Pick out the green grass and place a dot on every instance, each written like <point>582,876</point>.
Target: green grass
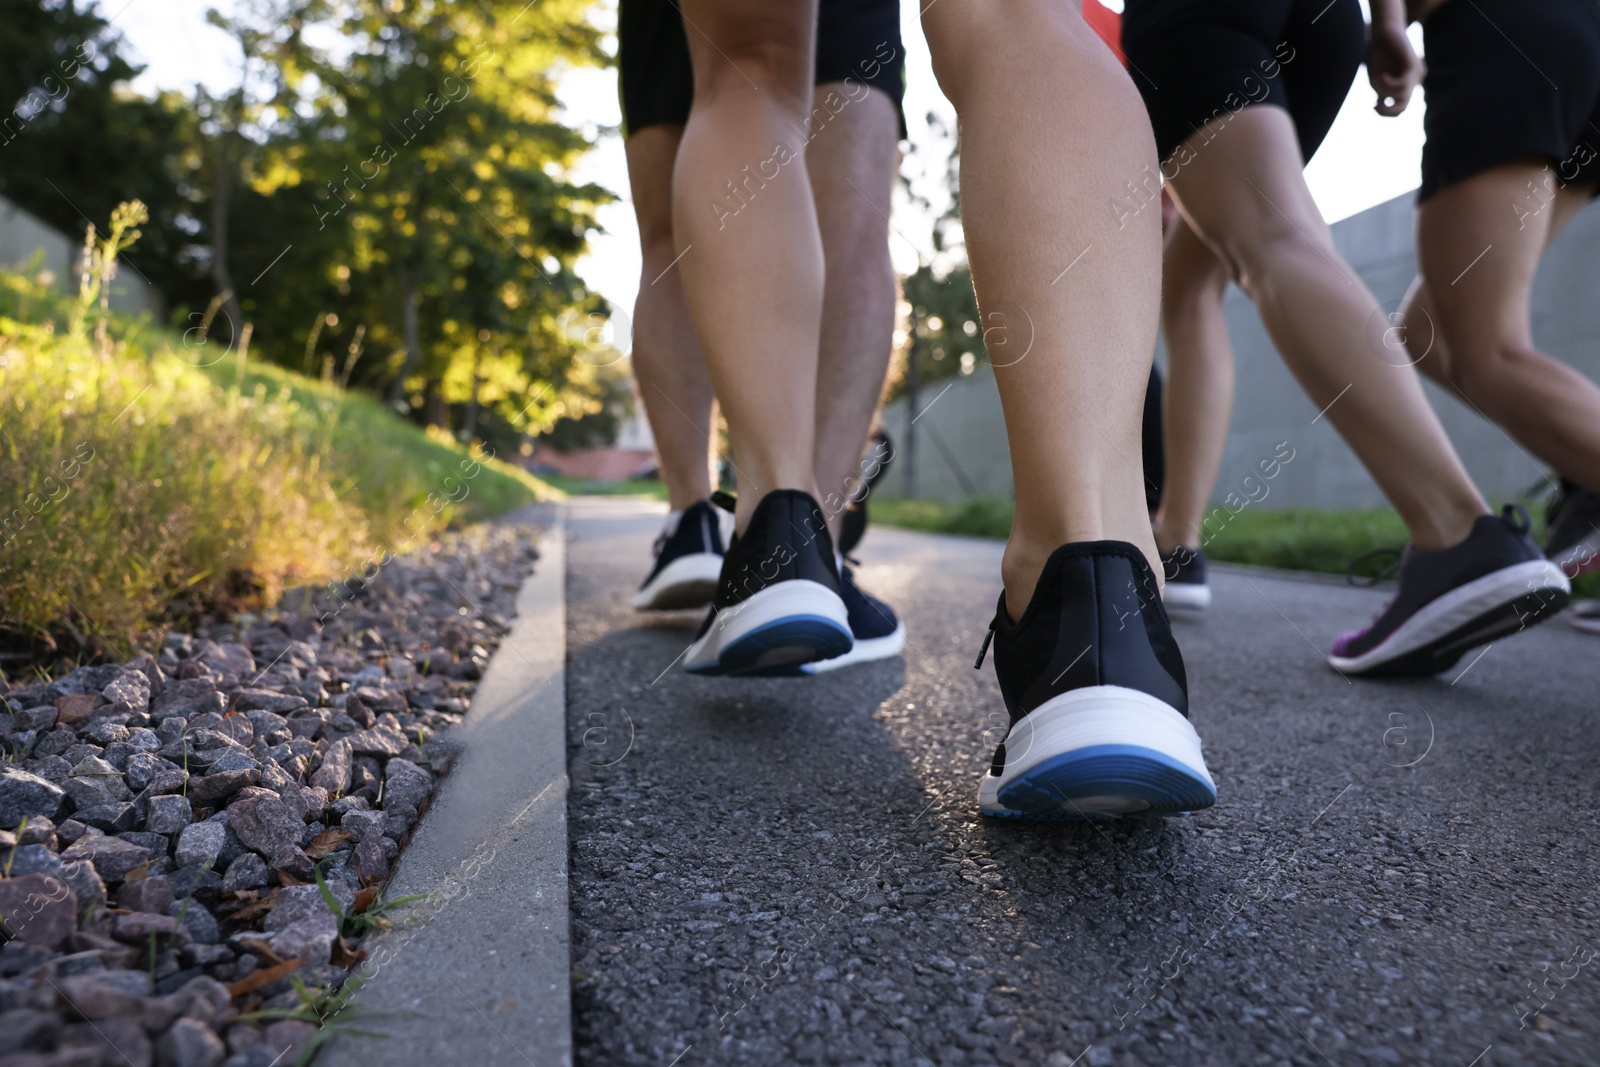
<point>1303,539</point>
<point>1323,540</point>
<point>137,487</point>
<point>381,463</point>
<point>978,517</point>
<point>573,486</point>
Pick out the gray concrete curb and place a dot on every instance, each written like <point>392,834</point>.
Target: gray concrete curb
<point>479,971</point>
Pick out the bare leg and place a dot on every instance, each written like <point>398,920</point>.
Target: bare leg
<point>1246,195</point>
<point>666,357</point>
<point>741,194</point>
<point>1480,309</point>
<point>852,163</point>
<point>1419,319</point>
<point>1199,390</point>
<point>1049,132</point>
<point>1419,328</point>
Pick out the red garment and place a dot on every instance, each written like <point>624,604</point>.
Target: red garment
<point>1108,24</point>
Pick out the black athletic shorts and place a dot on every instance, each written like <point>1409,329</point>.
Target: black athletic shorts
<point>1510,79</point>
<point>1196,61</point>
<point>857,40</point>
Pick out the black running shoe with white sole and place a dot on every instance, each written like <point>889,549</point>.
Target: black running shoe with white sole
<point>1451,600</point>
<point>688,562</point>
<point>1097,694</point>
<point>1185,571</point>
<point>1585,616</point>
<point>877,630</point>
<point>778,602</point>
<point>1573,540</point>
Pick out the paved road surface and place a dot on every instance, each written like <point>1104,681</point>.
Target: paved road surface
<point>774,871</point>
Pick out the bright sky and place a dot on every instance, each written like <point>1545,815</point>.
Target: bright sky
<point>1366,159</point>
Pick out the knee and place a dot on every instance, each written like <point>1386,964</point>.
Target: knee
<point>760,50</point>
<point>1188,291</point>
<point>965,37</point>
<point>1271,245</point>
<point>656,244</point>
<point>1485,372</point>
<point>1418,334</point>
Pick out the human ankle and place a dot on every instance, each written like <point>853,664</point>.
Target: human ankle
<point>1446,531</point>
<point>1024,561</point>
<point>686,500</point>
<point>749,499</point>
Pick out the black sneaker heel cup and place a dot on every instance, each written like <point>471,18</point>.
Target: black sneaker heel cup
<point>1096,618</point>
<point>787,538</point>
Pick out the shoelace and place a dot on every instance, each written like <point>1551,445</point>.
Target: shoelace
<point>1514,515</point>
<point>983,649</point>
<point>1363,581</point>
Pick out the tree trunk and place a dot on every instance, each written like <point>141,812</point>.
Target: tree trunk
<point>224,179</point>
<point>470,427</point>
<point>410,294</point>
<point>913,391</point>
<point>435,411</point>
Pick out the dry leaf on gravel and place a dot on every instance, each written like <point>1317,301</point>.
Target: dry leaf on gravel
<point>346,957</point>
<point>324,843</point>
<point>255,909</point>
<point>258,978</point>
<point>263,948</point>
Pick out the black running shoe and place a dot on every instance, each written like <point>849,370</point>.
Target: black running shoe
<point>1185,571</point>
<point>880,452</point>
<point>777,604</point>
<point>1573,541</point>
<point>1452,600</point>
<point>1097,694</point>
<point>688,563</point>
<point>878,632</point>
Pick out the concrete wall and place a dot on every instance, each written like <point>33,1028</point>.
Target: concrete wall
<point>962,433</point>
<point>22,236</point>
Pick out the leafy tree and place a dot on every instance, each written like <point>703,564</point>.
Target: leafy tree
<point>386,190</point>
<point>943,332</point>
<point>74,143</point>
<point>41,52</point>
<point>432,156</point>
<point>234,127</point>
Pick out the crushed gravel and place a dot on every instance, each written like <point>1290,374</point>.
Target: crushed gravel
<point>163,820</point>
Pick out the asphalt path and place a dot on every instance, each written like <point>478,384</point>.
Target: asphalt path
<point>773,871</point>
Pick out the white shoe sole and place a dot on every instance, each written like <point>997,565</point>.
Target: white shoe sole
<point>864,651</point>
<point>774,631</point>
<point>1585,622</point>
<point>1187,596</point>
<point>1501,603</point>
<point>1099,753</point>
<point>687,582</point>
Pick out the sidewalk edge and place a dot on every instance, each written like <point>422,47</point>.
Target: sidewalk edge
<point>480,970</point>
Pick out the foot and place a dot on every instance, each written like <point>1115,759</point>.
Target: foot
<point>778,603</point>
<point>1097,695</point>
<point>1574,538</point>
<point>1185,571</point>
<point>688,562</point>
<point>878,632</point>
<point>1451,600</point>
